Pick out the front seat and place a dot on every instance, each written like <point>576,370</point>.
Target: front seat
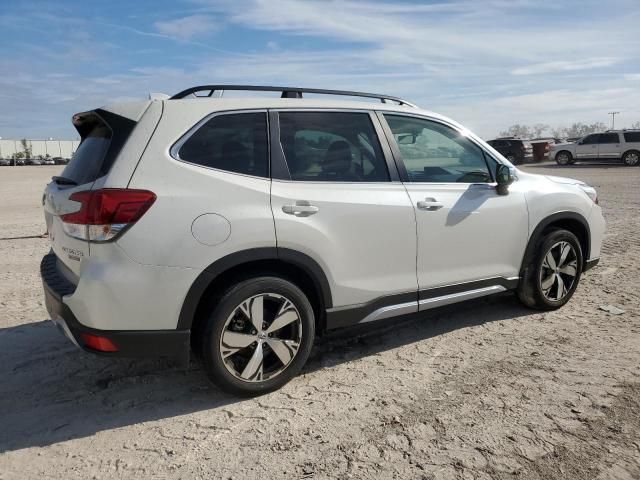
<point>337,161</point>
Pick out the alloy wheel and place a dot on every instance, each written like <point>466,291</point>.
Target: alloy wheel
<point>559,271</point>
<point>261,337</point>
<point>632,158</point>
<point>562,159</point>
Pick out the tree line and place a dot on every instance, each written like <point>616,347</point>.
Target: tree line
<point>541,130</point>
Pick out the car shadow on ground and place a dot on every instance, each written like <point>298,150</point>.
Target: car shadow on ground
<point>52,392</point>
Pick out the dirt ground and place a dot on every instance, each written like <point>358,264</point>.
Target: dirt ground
<point>484,390</point>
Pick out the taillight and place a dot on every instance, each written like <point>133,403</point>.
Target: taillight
<point>95,342</point>
<point>103,214</point>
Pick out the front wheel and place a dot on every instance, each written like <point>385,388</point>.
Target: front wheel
<point>258,336</point>
<point>552,274</point>
<point>631,159</point>
<point>564,158</point>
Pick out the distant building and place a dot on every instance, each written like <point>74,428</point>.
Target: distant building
<point>53,148</point>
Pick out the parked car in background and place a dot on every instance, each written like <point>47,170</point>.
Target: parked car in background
<point>612,145</point>
<point>49,161</point>
<point>60,160</point>
<point>33,161</point>
<point>326,214</point>
<point>514,149</point>
<point>5,162</point>
<point>18,161</point>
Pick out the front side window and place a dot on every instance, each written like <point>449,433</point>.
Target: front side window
<point>609,138</point>
<point>331,147</point>
<point>433,152</point>
<point>235,143</point>
<point>590,139</point>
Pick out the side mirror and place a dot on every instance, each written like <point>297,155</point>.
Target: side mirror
<point>504,178</point>
<point>407,139</point>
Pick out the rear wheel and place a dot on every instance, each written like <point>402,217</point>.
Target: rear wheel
<point>564,158</point>
<point>631,158</point>
<point>553,272</point>
<point>258,336</point>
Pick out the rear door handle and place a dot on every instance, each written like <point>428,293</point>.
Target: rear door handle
<point>302,208</point>
<point>430,204</point>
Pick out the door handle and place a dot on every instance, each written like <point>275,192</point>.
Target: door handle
<point>430,204</point>
<point>302,208</point>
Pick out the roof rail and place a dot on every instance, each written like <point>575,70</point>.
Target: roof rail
<point>286,92</point>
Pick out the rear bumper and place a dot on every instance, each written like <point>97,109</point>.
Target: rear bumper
<point>129,343</point>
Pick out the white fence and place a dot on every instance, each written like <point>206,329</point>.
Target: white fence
<point>53,148</point>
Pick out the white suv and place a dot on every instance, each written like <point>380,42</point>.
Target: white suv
<point>617,145</point>
<point>242,228</point>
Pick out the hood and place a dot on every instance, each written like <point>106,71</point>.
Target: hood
<point>564,144</point>
<point>565,180</point>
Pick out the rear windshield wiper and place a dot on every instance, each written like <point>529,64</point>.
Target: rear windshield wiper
<point>64,181</point>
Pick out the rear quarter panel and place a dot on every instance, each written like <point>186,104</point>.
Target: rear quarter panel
<point>163,236</point>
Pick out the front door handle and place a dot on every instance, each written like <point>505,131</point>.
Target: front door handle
<point>302,208</point>
<point>430,204</point>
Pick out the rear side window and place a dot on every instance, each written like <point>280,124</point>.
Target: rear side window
<point>332,147</point>
<point>235,143</point>
<point>87,161</point>
<point>632,137</point>
<point>609,138</point>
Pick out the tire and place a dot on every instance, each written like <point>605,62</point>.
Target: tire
<point>631,158</point>
<point>544,288</point>
<point>564,158</point>
<point>241,350</point>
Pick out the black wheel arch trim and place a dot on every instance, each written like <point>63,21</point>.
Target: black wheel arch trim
<point>217,268</point>
<point>544,223</point>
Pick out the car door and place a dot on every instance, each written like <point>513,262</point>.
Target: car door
<point>335,199</point>
<point>587,147</point>
<point>468,236</point>
<point>609,146</point>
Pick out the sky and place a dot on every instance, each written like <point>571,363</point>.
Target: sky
<point>486,63</point>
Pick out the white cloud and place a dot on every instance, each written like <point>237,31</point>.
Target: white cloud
<point>186,28</point>
<point>487,64</point>
<point>566,66</point>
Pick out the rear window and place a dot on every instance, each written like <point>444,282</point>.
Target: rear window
<point>632,137</point>
<point>103,135</point>
<point>86,163</point>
